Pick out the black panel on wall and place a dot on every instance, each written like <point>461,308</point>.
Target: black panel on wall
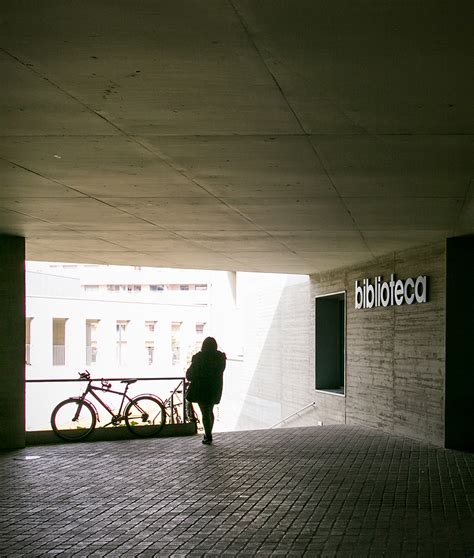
<point>330,342</point>
<point>459,407</point>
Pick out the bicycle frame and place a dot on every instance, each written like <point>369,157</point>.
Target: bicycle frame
<point>170,404</point>
<point>91,389</point>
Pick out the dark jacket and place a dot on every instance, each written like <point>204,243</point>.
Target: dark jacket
<point>205,375</point>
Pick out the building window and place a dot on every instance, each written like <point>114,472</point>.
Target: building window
<point>134,288</point>
<point>201,287</point>
<point>91,341</point>
<point>59,341</point>
<point>184,287</point>
<point>113,287</point>
<point>150,329</point>
<point>150,352</point>
<point>157,288</point>
<point>121,333</point>
<point>91,287</point>
<point>175,343</point>
<point>200,329</point>
<point>28,341</point>
<point>330,342</point>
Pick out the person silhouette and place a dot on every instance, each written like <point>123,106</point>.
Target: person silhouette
<point>206,376</point>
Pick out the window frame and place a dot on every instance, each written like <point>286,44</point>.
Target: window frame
<point>332,391</point>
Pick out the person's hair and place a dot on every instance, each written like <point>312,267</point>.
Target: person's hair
<point>209,345</point>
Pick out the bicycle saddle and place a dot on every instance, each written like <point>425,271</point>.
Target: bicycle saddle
<point>128,381</point>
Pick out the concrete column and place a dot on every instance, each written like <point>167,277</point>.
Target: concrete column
<point>223,325</point>
<point>12,342</point>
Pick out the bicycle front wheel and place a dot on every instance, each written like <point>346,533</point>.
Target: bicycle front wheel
<point>145,416</point>
<point>65,424</point>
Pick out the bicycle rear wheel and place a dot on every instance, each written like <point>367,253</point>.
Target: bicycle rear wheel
<point>64,425</point>
<point>145,416</point>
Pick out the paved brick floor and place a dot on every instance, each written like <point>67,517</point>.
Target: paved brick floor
<point>325,491</point>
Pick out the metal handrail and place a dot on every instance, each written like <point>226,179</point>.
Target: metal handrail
<point>293,414</point>
<point>102,378</point>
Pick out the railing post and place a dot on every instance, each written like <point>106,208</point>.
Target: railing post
<point>172,407</point>
<point>185,403</point>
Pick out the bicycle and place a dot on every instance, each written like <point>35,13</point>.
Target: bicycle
<point>175,401</point>
<point>75,418</point>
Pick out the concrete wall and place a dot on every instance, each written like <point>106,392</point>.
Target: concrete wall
<point>12,342</point>
<point>395,364</point>
<point>395,368</point>
<point>265,386</point>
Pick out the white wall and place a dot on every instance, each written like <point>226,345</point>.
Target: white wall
<point>265,386</point>
<point>53,296</point>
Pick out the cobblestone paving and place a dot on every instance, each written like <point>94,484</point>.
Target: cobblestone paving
<point>324,491</point>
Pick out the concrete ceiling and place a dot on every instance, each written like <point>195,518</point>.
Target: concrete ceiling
<point>242,134</point>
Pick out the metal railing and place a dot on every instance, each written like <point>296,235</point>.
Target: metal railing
<point>170,399</point>
<point>313,404</point>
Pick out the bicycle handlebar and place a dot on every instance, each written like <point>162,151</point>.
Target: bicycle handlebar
<point>87,376</point>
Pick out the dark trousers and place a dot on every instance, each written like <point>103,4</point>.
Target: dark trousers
<point>207,413</point>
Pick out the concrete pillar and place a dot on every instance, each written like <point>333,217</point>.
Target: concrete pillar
<point>459,418</point>
<point>223,325</point>
<point>12,342</point>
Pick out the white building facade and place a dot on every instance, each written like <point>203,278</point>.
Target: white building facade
<point>117,322</point>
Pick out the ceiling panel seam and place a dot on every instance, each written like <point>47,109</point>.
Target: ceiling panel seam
<point>296,117</point>
<point>142,144</point>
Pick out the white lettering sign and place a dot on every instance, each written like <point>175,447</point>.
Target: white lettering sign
<point>388,293</point>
